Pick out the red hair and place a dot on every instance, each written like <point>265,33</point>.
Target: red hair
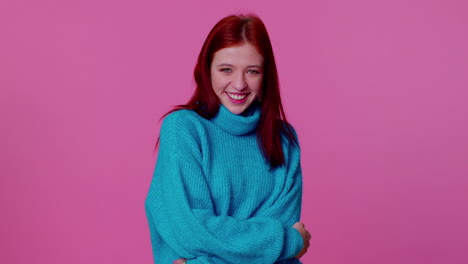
<point>235,30</point>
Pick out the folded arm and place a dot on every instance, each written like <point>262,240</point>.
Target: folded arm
<point>180,206</point>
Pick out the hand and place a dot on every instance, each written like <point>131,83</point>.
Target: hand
<point>179,261</point>
<point>305,236</point>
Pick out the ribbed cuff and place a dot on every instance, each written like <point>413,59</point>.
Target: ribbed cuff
<point>293,244</point>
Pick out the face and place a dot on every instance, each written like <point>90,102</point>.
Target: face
<point>236,76</point>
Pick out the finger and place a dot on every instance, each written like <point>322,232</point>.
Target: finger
<point>298,225</point>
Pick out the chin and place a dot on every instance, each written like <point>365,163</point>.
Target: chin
<point>236,111</point>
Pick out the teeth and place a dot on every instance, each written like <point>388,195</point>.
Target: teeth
<point>237,96</point>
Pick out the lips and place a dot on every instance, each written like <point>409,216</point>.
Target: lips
<point>237,98</point>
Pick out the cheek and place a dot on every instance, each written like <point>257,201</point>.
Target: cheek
<point>257,85</point>
<point>218,82</point>
<point>215,82</point>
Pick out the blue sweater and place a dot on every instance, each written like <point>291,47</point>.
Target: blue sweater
<point>215,199</point>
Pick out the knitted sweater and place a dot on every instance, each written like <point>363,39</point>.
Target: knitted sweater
<point>215,199</point>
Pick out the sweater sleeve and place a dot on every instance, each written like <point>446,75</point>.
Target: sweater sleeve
<point>288,205</point>
<point>180,206</point>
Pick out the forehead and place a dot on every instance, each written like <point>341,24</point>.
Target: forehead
<point>245,54</point>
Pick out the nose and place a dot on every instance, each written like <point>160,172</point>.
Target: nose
<point>239,83</point>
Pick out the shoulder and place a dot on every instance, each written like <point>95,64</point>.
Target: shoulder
<point>291,147</point>
<point>183,121</point>
<point>182,131</point>
<point>180,119</point>
<point>289,135</point>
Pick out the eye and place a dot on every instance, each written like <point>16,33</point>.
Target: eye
<point>253,72</point>
<point>225,70</point>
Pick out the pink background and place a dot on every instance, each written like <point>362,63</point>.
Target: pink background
<point>376,89</point>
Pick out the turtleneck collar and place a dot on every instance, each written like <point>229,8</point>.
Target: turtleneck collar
<point>237,124</point>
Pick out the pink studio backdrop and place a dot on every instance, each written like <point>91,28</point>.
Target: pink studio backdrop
<point>376,89</point>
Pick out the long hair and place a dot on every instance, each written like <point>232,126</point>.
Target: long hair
<point>235,30</point>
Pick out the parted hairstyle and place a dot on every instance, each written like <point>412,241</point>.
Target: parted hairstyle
<point>231,31</point>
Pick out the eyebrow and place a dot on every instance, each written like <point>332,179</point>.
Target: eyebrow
<point>230,65</point>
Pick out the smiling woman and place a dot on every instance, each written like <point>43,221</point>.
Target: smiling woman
<point>236,75</point>
<point>227,185</point>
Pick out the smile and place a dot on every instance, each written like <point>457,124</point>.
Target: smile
<point>237,96</point>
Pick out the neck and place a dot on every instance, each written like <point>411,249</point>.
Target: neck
<point>241,124</point>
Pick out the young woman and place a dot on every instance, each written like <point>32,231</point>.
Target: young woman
<point>227,184</point>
